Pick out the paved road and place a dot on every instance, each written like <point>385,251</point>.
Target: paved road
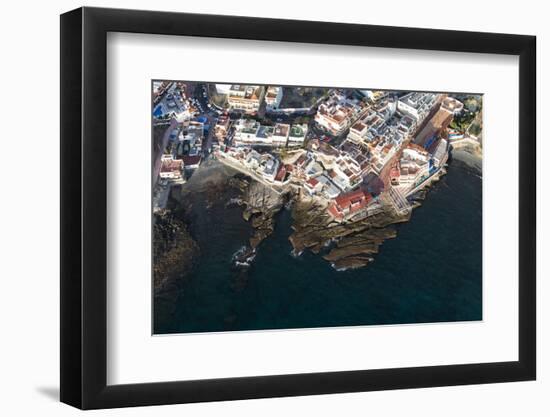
<point>160,150</point>
<point>210,114</point>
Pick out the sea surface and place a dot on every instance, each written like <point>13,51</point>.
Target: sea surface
<point>431,272</point>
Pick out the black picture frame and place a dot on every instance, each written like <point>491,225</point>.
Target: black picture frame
<point>84,207</point>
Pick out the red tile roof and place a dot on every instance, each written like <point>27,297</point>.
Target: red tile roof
<point>417,148</point>
<point>313,182</point>
<point>170,165</point>
<point>352,199</point>
<point>280,174</point>
<point>333,211</point>
<point>394,172</point>
<point>191,160</point>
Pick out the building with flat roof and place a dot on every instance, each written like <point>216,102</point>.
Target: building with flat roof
<point>440,154</point>
<point>418,105</point>
<point>415,152</point>
<point>452,105</point>
<point>269,166</point>
<point>411,173</point>
<point>280,134</point>
<point>246,98</point>
<point>170,168</point>
<point>221,128</point>
<point>223,88</point>
<point>273,97</point>
<point>412,168</point>
<point>191,137</point>
<point>297,135</point>
<point>245,132</point>
<point>434,126</point>
<point>253,159</point>
<point>338,113</point>
<point>251,132</point>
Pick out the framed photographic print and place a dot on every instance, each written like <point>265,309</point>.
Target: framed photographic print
<point>256,208</point>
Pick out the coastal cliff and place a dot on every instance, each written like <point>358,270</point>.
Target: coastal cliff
<point>348,245</point>
<point>470,154</point>
<point>262,204</point>
<point>173,249</point>
<point>345,246</point>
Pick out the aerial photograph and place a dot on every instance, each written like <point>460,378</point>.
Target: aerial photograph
<point>295,207</point>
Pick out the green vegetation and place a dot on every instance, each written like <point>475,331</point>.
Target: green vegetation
<point>219,100</point>
<point>472,104</point>
<point>300,97</point>
<point>283,153</point>
<point>296,131</point>
<point>475,129</point>
<point>462,121</point>
<point>302,120</point>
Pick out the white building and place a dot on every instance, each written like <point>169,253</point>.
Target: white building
<point>297,135</point>
<point>273,97</point>
<point>251,132</point>
<point>313,186</point>
<point>245,132</point>
<point>358,131</point>
<point>338,113</point>
<point>269,167</point>
<point>414,152</point>
<point>452,105</point>
<point>223,88</point>
<point>411,174</point>
<point>244,98</point>
<point>373,123</point>
<point>348,172</point>
<point>413,167</point>
<point>313,169</point>
<point>440,153</point>
<point>253,160</point>
<point>417,105</point>
<point>192,134</point>
<point>280,134</point>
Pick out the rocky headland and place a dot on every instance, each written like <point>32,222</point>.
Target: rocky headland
<point>345,246</point>
<point>261,205</point>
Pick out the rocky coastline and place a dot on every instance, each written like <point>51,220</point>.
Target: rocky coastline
<point>471,155</point>
<point>346,246</point>
<point>173,249</point>
<point>262,204</point>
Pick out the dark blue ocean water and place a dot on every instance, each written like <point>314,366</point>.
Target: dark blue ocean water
<point>432,272</point>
